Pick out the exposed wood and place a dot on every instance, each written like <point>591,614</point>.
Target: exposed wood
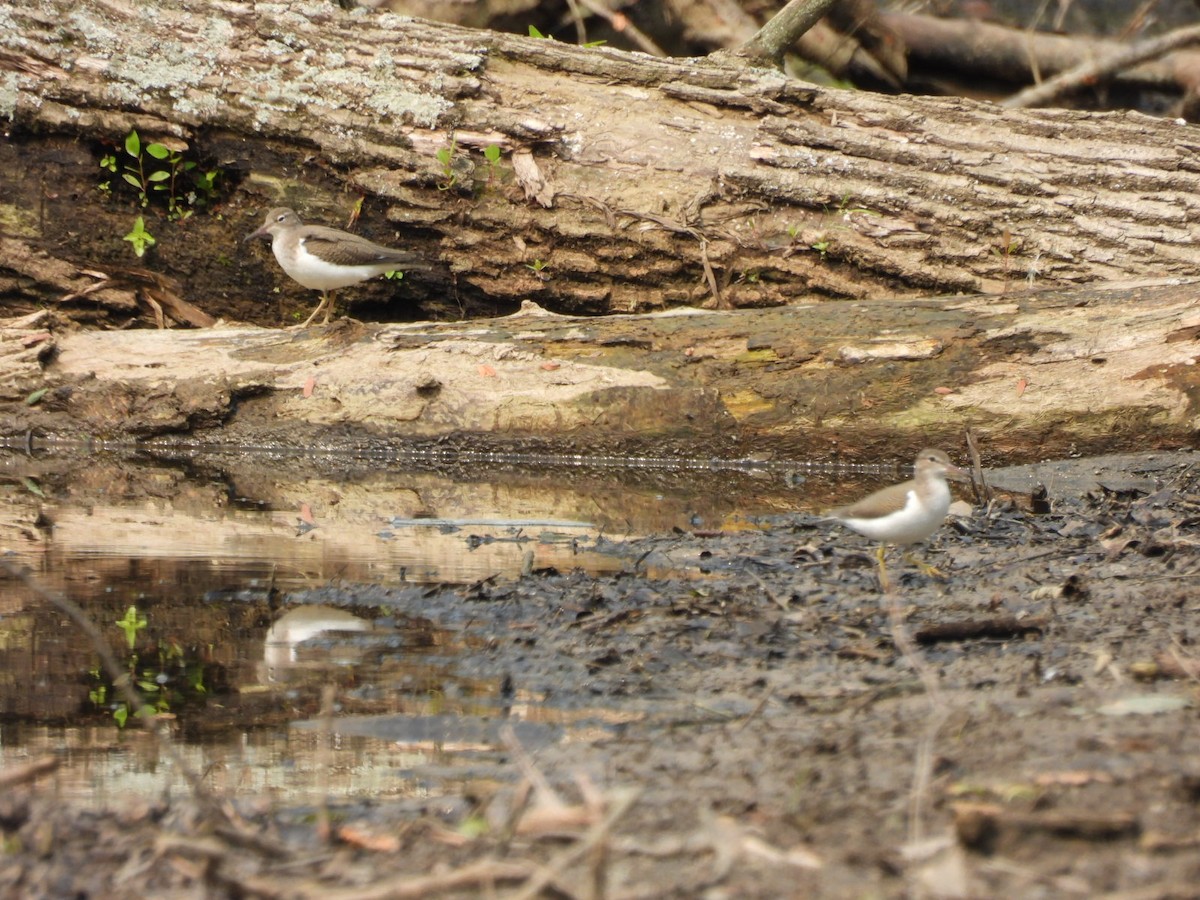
<point>1051,373</point>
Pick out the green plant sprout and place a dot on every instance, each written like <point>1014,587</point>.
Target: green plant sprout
<point>535,33</point>
<point>492,153</point>
<point>446,157</point>
<point>537,265</point>
<point>140,238</point>
<point>155,169</point>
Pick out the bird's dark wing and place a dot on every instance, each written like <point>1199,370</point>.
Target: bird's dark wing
<point>345,249</point>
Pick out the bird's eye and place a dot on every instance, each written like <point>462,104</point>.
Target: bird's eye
<point>280,218</point>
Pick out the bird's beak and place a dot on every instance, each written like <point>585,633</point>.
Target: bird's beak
<point>260,232</point>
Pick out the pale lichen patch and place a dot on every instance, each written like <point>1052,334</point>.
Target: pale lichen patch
<point>10,91</point>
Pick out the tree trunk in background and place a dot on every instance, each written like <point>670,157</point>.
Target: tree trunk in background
<point>626,182</point>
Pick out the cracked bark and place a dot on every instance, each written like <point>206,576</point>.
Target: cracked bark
<point>638,168</point>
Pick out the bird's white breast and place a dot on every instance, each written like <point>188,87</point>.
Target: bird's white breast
<point>915,522</point>
<point>316,274</point>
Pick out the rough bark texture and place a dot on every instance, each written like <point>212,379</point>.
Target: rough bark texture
<point>638,182</point>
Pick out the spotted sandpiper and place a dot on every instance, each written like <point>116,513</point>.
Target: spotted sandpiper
<point>325,259</point>
<point>904,513</point>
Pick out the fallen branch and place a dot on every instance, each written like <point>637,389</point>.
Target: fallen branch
<point>981,826</point>
<point>1089,73</point>
<point>1003,627</point>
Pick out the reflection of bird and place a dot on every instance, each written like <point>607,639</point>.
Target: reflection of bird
<point>903,513</point>
<point>297,626</point>
<point>325,259</point>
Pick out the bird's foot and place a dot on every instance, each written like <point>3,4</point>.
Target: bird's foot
<point>925,568</point>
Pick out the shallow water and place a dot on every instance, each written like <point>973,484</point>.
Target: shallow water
<point>189,566</point>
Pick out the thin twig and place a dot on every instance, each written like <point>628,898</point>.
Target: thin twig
<point>923,765</point>
<point>619,800</point>
<point>1088,73</point>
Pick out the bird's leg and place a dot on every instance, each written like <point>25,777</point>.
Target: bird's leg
<point>329,309</point>
<point>884,584</point>
<point>315,312</point>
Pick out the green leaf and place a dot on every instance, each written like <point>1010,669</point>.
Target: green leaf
<point>534,33</point>
<point>188,166</point>
<point>121,714</point>
<point>133,179</point>
<point>443,156</point>
<point>32,487</point>
<point>158,151</point>
<point>599,43</point>
<point>159,176</point>
<point>36,396</point>
<point>133,145</point>
<point>491,153</point>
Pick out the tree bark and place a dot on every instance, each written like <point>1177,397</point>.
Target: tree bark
<point>627,183</point>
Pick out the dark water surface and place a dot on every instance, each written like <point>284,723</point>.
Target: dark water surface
<point>197,570</point>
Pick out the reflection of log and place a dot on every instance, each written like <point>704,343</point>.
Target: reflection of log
<point>626,182</point>
<point>1084,369</point>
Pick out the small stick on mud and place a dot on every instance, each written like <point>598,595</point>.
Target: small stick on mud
<point>619,802</point>
<point>980,487</point>
<point>982,826</point>
<point>977,629</point>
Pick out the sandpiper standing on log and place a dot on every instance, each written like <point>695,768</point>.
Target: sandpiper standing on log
<point>904,513</point>
<point>325,259</point>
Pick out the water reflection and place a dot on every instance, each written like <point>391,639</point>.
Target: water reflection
<point>282,644</point>
<point>209,557</point>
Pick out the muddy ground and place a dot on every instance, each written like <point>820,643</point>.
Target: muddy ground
<point>767,736</point>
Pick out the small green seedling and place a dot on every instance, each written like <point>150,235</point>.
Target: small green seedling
<point>492,154</point>
<point>140,238</point>
<point>445,156</point>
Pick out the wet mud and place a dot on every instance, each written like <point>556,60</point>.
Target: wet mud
<point>731,714</point>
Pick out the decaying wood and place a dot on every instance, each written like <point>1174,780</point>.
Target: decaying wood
<point>649,166</point>
<point>1057,371</point>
